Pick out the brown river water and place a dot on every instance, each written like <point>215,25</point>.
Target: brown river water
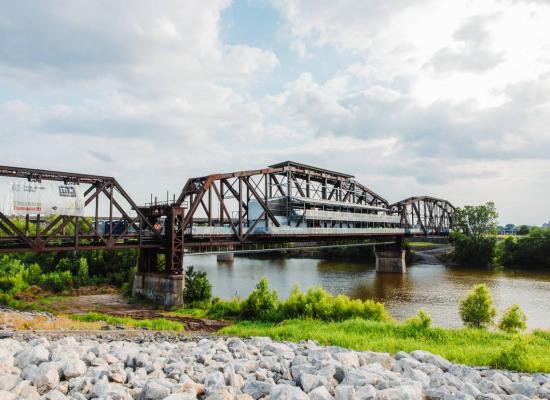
<point>432,286</point>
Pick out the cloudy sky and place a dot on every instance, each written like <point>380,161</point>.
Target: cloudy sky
<point>449,98</point>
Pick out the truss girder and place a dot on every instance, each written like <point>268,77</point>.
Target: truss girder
<point>433,216</point>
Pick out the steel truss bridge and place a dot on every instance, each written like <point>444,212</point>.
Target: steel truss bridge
<point>285,206</point>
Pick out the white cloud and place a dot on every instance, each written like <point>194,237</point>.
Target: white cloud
<point>154,89</point>
<point>438,96</point>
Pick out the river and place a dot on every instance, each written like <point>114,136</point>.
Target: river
<point>432,286</point>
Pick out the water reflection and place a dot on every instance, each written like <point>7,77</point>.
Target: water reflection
<point>435,288</point>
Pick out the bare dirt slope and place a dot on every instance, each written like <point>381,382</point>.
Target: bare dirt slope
<point>117,305</point>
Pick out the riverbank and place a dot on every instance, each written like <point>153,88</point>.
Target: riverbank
<point>529,352</point>
<point>150,366</point>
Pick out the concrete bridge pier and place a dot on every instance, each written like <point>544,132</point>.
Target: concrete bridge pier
<point>159,288</point>
<point>391,259</point>
<point>162,288</point>
<point>228,257</point>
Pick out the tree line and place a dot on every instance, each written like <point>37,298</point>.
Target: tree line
<point>476,243</point>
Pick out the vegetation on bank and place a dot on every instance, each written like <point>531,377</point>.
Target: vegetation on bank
<point>157,324</point>
<point>475,241</point>
<point>264,304</point>
<point>530,352</point>
<point>58,272</point>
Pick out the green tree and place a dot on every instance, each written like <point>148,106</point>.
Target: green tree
<point>523,230</point>
<point>528,251</point>
<point>476,308</point>
<point>514,320</point>
<point>197,286</point>
<point>476,252</point>
<point>474,229</point>
<point>476,221</point>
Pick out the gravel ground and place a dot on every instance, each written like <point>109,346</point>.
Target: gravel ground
<point>152,365</point>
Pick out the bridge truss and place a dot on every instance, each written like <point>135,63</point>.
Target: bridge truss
<point>428,215</point>
<point>285,205</point>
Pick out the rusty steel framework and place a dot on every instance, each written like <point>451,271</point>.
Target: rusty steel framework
<point>428,215</point>
<point>100,192</point>
<point>214,213</point>
<point>213,194</point>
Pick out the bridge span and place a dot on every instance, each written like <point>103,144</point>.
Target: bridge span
<point>284,206</point>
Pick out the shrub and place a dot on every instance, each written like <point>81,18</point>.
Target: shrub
<point>197,286</point>
<point>7,284</point>
<point>65,264</point>
<point>529,251</point>
<point>476,308</point>
<point>513,320</point>
<point>512,356</point>
<point>8,301</point>
<point>317,303</point>
<point>374,310</point>
<point>13,275</point>
<point>422,321</point>
<point>294,305</point>
<point>34,272</point>
<point>262,303</point>
<point>82,276</point>
<point>223,309</point>
<point>57,281</point>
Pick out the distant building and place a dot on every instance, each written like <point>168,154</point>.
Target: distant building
<point>546,225</point>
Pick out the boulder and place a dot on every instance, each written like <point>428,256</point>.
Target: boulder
<point>348,359</point>
<point>524,388</point>
<point>154,390</point>
<point>256,389</point>
<point>287,392</point>
<point>320,393</point>
<point>45,377</point>
<point>405,392</point>
<point>54,395</point>
<point>366,392</point>
<point>8,381</point>
<point>32,355</point>
<point>344,392</point>
<point>6,395</point>
<point>308,382</point>
<point>225,393</point>
<point>434,359</point>
<point>464,373</point>
<point>73,368</point>
<point>182,396</point>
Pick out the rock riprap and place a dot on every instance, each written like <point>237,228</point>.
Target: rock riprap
<point>217,368</point>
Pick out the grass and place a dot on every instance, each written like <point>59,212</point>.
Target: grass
<point>465,346</point>
<point>422,245</point>
<point>191,312</point>
<point>157,324</point>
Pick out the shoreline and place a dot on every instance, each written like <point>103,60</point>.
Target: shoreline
<point>153,366</point>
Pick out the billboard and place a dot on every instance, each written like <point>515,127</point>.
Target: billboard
<point>44,198</point>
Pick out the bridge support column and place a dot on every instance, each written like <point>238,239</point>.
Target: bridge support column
<point>226,257</point>
<point>391,259</point>
<point>160,288</point>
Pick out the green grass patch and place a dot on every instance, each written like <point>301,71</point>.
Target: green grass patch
<point>190,312</point>
<point>465,346</point>
<point>421,245</point>
<point>157,324</point>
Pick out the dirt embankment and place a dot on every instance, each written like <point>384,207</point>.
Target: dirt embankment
<point>105,300</point>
